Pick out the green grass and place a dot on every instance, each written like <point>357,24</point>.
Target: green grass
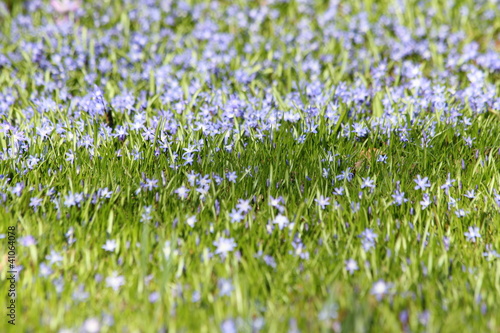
<point>296,288</point>
<point>456,285</point>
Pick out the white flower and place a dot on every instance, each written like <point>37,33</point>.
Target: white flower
<point>472,234</point>
<point>54,257</point>
<point>225,287</point>
<point>380,288</point>
<point>182,192</point>
<point>244,206</point>
<point>115,281</point>
<point>351,265</point>
<point>281,220</point>
<point>422,183</point>
<point>224,245</point>
<point>322,201</point>
<point>91,325</point>
<point>191,221</point>
<point>228,326</point>
<point>110,245</point>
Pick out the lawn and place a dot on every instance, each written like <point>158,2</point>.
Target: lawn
<point>250,166</point>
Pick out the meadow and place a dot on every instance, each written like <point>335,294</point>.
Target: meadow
<point>250,166</point>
